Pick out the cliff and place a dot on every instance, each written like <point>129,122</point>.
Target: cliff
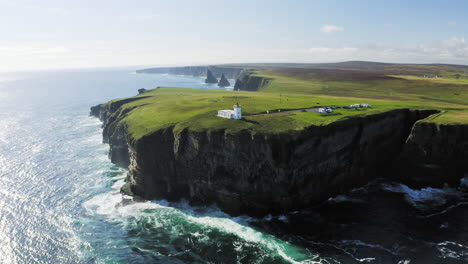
<point>223,82</point>
<point>198,71</point>
<point>435,154</point>
<point>210,77</point>
<point>247,81</point>
<point>114,132</point>
<point>275,173</point>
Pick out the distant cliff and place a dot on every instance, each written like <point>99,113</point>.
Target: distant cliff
<point>275,173</point>
<point>229,72</point>
<point>245,78</point>
<point>247,81</point>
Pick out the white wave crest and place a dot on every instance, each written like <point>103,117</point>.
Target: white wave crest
<point>425,198</point>
<point>121,208</point>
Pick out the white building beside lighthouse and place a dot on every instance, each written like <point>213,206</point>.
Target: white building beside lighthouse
<point>236,113</point>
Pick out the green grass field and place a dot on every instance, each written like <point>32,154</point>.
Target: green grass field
<point>196,109</point>
<point>392,88</point>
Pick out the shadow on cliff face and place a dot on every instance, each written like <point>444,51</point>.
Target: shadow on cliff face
<point>433,155</point>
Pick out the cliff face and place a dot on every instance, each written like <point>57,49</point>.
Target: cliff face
<point>247,82</point>
<point>229,72</point>
<point>435,154</point>
<point>261,174</point>
<point>113,132</point>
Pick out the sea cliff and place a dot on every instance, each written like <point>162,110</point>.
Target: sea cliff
<point>247,81</point>
<point>258,174</point>
<point>245,78</point>
<point>434,154</point>
<point>199,71</point>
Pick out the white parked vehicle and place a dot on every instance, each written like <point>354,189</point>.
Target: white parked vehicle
<point>325,110</point>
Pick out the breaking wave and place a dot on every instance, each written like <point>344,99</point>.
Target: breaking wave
<point>194,227</point>
<point>425,199</point>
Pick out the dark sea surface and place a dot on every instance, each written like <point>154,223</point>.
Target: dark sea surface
<point>60,200</point>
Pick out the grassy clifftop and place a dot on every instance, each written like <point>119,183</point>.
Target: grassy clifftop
<point>367,85</point>
<point>446,93</point>
<point>385,86</point>
<point>196,109</point>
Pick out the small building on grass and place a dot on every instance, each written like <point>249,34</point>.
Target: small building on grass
<point>236,113</point>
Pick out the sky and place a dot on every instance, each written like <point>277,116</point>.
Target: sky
<point>49,34</point>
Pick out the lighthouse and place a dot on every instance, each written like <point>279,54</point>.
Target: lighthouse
<point>237,111</point>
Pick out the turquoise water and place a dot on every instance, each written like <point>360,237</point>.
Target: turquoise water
<point>60,200</point>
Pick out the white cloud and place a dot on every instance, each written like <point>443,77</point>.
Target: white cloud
<point>453,50</point>
<point>331,29</point>
<point>452,23</point>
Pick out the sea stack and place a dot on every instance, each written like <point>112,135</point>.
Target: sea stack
<point>223,82</point>
<point>210,77</point>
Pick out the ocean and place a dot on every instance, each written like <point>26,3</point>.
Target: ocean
<point>60,199</point>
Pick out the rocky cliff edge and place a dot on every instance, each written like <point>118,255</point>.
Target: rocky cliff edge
<point>262,174</point>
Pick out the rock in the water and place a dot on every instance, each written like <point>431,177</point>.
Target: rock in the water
<point>210,78</point>
<point>223,82</point>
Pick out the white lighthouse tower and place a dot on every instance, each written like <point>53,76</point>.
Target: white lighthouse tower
<point>237,111</point>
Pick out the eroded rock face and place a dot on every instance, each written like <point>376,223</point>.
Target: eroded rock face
<point>223,82</point>
<point>434,154</point>
<point>247,82</point>
<point>210,77</point>
<point>113,132</point>
<point>262,174</point>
